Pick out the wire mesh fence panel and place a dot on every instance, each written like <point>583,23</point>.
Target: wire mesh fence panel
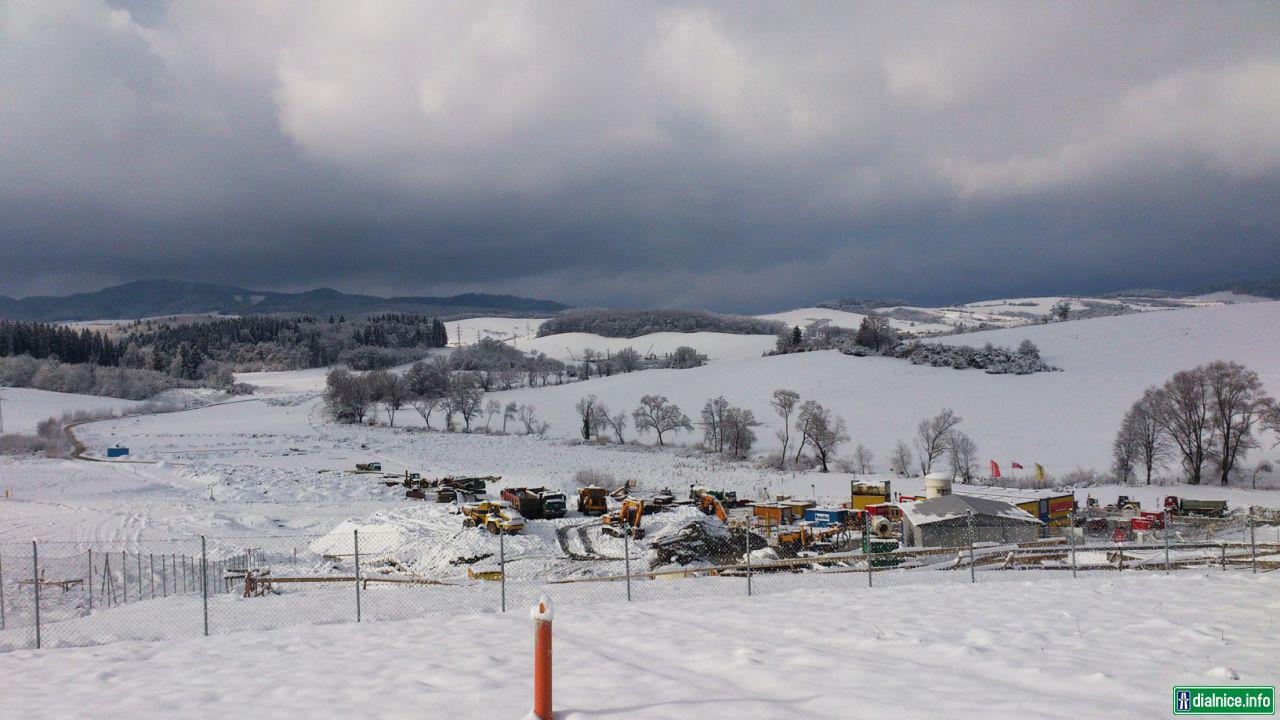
<point>17,606</point>
<point>265,582</point>
<point>59,594</point>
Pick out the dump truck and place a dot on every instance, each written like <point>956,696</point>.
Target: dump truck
<point>369,467</point>
<point>1187,506</point>
<point>554,504</point>
<point>626,521</point>
<point>537,502</point>
<point>592,500</point>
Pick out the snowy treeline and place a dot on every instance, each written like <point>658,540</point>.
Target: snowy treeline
<point>988,358</point>
<point>1207,419</point>
<point>85,378</point>
<point>283,343</point>
<point>875,336</point>
<point>634,323</point>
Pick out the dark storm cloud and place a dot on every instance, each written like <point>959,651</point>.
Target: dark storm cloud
<point>737,156</point>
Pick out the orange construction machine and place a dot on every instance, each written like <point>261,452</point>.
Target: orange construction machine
<point>626,521</point>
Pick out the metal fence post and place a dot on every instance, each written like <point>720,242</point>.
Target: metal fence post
<point>1,594</point>
<point>88,587</point>
<point>35,584</point>
<point>1253,540</point>
<point>866,543</point>
<point>1071,535</point>
<point>139,574</point>
<point>164,579</point>
<point>1165,522</point>
<point>626,557</point>
<point>357,547</point>
<point>1222,551</point>
<point>502,570</point>
<point>152,561</point>
<point>973,576</point>
<point>124,576</point>
<point>204,583</point>
<point>747,544</point>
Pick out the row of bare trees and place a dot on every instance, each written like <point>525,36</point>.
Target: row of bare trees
<point>427,386</point>
<point>1207,419</point>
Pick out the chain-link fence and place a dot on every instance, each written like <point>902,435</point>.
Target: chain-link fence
<point>59,594</point>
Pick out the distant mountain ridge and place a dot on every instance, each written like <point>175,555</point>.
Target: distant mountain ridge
<point>152,298</point>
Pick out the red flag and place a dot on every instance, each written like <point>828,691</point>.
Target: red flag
<point>1016,466</point>
<point>995,469</point>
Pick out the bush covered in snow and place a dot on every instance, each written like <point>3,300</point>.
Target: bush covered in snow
<point>634,323</point>
<point>988,358</point>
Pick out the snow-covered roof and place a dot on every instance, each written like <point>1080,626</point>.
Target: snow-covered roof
<point>1016,495</point>
<point>950,507</point>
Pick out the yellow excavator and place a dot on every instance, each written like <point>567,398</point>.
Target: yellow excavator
<point>626,521</point>
<point>709,505</point>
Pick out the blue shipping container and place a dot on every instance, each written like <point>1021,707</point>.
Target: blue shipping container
<point>117,452</point>
<point>826,517</point>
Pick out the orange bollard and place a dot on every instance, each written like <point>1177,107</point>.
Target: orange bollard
<point>542,616</point>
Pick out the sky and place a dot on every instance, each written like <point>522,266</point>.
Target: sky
<point>736,156</point>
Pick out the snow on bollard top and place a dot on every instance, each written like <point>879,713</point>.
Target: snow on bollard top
<point>542,610</point>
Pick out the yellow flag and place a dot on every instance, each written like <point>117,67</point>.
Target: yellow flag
<point>1039,471</point>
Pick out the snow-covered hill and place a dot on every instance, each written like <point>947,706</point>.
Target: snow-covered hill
<point>1063,420</point>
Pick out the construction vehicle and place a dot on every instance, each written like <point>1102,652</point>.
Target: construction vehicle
<point>554,503</point>
<point>1186,506</point>
<point>493,515</point>
<point>626,521</point>
<point>726,498</point>
<point>711,505</point>
<point>537,502</point>
<point>661,500</point>
<point>1125,505</point>
<point>369,467</point>
<point>592,500</point>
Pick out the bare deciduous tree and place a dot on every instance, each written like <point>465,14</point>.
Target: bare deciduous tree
<point>963,454</point>
<point>713,423</point>
<point>900,458</point>
<point>1184,414</point>
<point>784,403</point>
<point>862,459</point>
<point>627,359</point>
<point>1237,404</point>
<point>660,415</point>
<point>821,430</point>
<point>618,423</point>
<point>491,408</point>
<point>509,413</point>
<point>1141,440</point>
<point>932,436</point>
<point>737,430</point>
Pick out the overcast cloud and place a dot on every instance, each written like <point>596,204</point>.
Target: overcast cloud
<point>737,156</point>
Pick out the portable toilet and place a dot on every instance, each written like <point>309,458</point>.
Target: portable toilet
<point>117,451</point>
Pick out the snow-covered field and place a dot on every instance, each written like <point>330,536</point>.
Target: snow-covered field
<point>24,408</point>
<point>1062,420</point>
<point>1097,647</point>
